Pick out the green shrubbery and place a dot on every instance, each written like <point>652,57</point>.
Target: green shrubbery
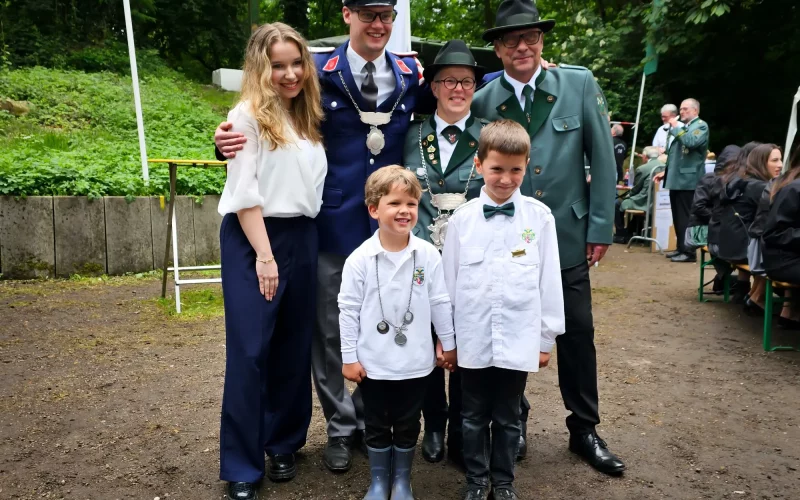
<point>80,136</point>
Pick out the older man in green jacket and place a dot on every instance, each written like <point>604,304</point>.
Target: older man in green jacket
<point>686,164</point>
<point>566,116</point>
<point>637,196</point>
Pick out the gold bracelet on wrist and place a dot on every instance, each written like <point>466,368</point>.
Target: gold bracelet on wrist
<point>266,261</point>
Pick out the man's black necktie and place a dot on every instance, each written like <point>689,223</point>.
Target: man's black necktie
<point>369,90</point>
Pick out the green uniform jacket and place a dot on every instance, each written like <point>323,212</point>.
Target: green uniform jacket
<point>686,162</point>
<point>451,180</point>
<point>568,120</point>
<point>637,199</point>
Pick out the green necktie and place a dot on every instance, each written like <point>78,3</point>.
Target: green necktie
<point>451,133</point>
<point>527,91</point>
<point>490,211</point>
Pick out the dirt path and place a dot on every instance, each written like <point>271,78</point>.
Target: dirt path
<point>105,396</point>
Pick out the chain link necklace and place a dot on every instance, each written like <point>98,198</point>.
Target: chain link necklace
<point>375,140</point>
<point>384,324</point>
<point>442,201</point>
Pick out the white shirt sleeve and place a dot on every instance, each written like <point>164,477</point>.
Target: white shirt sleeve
<point>351,298</point>
<point>450,261</point>
<point>552,295</point>
<point>441,310</point>
<point>241,186</point>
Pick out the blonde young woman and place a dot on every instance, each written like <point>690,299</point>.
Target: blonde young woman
<point>269,261</point>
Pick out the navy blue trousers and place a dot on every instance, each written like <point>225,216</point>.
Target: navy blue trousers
<point>266,403</point>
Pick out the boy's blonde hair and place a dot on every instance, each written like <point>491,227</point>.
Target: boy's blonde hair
<point>384,179</point>
<point>505,137</point>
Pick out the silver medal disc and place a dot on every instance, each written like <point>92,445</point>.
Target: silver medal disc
<point>408,317</point>
<point>383,327</point>
<point>400,339</point>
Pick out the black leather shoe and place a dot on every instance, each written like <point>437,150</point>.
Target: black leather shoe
<point>522,449</point>
<point>788,324</point>
<point>504,494</point>
<point>242,491</point>
<point>474,493</point>
<point>337,456</point>
<point>683,257</point>
<point>672,254</point>
<point>595,451</point>
<point>281,468</point>
<point>622,240</point>
<point>433,446</point>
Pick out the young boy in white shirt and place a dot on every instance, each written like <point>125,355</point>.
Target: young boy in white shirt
<point>392,290</point>
<point>503,274</point>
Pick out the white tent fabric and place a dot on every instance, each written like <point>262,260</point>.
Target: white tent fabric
<point>792,131</point>
<point>400,40</point>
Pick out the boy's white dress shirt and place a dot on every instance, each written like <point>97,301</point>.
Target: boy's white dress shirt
<point>360,309</point>
<point>504,279</point>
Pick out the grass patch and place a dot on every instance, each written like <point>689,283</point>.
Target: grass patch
<point>195,304</point>
<point>603,294</point>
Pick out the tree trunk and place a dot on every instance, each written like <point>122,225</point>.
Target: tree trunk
<point>488,14</point>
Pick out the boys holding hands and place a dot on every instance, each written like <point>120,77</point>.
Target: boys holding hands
<point>502,271</point>
<point>392,290</point>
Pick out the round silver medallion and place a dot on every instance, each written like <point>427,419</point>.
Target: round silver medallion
<point>383,327</point>
<point>400,339</point>
<point>408,317</point>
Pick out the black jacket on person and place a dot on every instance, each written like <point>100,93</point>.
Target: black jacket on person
<point>708,209</point>
<point>781,238</point>
<point>756,229</point>
<point>702,203</point>
<point>738,204</point>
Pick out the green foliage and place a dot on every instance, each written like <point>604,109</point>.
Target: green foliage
<point>80,137</point>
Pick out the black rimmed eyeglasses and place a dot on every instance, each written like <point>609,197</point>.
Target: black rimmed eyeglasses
<point>511,40</point>
<point>451,83</point>
<point>368,16</point>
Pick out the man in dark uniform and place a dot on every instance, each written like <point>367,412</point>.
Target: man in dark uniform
<point>368,95</point>
<point>566,116</point>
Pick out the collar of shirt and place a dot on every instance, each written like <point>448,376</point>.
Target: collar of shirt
<point>518,86</point>
<point>374,246</point>
<point>441,124</point>
<point>516,198</point>
<point>357,62</point>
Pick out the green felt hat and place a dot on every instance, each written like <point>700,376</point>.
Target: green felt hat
<point>454,53</point>
<point>514,15</point>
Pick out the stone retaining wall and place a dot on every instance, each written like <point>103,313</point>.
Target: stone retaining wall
<point>44,236</point>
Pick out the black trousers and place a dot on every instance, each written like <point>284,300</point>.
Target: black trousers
<point>577,358</point>
<point>681,203</point>
<point>392,410</point>
<point>491,395</point>
<point>619,220</point>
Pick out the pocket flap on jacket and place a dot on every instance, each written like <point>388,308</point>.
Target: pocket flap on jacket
<point>581,208</point>
<point>331,197</point>
<point>566,123</point>
<point>470,255</point>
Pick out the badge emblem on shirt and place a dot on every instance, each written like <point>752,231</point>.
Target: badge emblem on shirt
<point>601,105</point>
<point>451,138</point>
<point>528,235</point>
<point>419,275</point>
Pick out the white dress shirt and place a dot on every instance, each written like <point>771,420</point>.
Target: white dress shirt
<point>384,76</point>
<point>518,86</point>
<point>284,182</point>
<point>504,279</point>
<point>445,148</point>
<point>418,267</point>
<point>660,139</point>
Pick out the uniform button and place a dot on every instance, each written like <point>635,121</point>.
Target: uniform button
<point>403,107</point>
<point>441,182</point>
<point>566,126</point>
<point>537,170</point>
<point>372,161</point>
<point>538,193</point>
<point>334,104</point>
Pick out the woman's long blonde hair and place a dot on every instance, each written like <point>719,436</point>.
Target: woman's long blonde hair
<point>264,101</point>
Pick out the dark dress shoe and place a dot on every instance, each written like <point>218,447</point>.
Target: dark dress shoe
<point>242,491</point>
<point>522,448</point>
<point>595,451</point>
<point>684,257</point>
<point>281,468</point>
<point>672,254</point>
<point>337,456</point>
<point>474,493</point>
<point>504,494</point>
<point>433,446</point>
<point>788,324</point>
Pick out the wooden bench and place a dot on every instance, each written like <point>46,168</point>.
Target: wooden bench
<point>770,299</point>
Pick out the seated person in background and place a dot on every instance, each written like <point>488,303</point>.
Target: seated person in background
<point>637,199</point>
<point>781,238</point>
<point>739,199</point>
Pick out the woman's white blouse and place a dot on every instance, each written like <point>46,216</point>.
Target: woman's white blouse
<point>284,182</point>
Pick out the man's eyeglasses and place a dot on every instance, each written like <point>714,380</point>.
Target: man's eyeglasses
<point>368,16</point>
<point>451,83</point>
<point>511,40</point>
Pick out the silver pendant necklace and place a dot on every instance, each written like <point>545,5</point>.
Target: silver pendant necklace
<point>375,139</point>
<point>442,201</point>
<point>384,324</point>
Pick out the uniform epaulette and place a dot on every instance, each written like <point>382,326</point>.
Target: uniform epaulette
<point>484,121</point>
<point>570,66</point>
<point>412,53</point>
<point>321,50</point>
<point>418,118</point>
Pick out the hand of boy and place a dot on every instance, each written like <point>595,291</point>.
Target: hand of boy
<point>544,359</point>
<point>354,372</point>
<point>446,360</point>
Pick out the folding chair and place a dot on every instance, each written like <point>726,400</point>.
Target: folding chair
<point>646,233</point>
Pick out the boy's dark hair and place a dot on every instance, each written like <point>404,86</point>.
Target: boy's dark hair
<point>505,137</point>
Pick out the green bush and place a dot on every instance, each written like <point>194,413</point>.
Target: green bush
<point>80,137</point>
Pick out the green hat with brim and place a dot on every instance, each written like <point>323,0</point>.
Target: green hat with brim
<point>516,15</point>
<point>454,53</point>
